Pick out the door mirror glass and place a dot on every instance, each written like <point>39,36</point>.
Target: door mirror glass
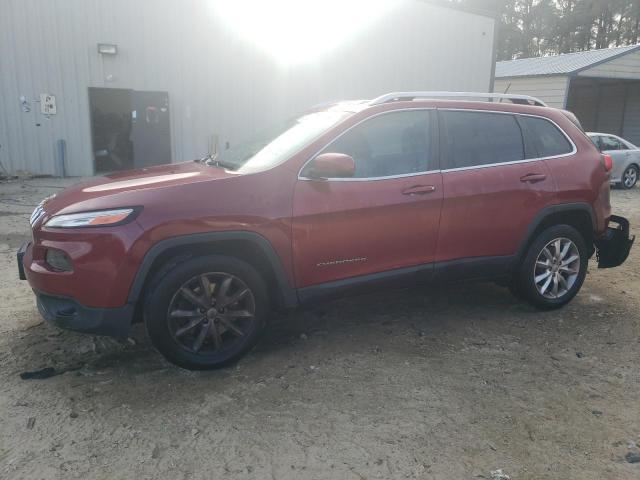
<point>332,165</point>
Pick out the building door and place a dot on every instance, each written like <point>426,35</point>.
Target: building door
<point>111,128</point>
<point>150,132</point>
<point>130,129</point>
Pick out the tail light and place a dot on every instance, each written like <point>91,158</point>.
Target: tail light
<point>607,162</point>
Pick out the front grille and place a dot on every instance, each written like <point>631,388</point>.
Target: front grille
<point>37,214</point>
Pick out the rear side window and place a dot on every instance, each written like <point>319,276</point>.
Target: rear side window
<point>546,139</point>
<point>612,143</point>
<point>477,138</point>
<point>596,141</point>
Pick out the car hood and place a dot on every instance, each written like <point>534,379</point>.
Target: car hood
<point>124,188</point>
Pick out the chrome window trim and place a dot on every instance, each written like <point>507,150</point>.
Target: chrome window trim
<point>368,179</point>
<point>362,179</point>
<point>573,151</point>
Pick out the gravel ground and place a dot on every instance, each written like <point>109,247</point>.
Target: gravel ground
<point>432,383</point>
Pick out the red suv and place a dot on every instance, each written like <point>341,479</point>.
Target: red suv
<point>403,189</point>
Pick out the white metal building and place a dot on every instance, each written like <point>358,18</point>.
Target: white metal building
<point>602,87</point>
<point>172,78</point>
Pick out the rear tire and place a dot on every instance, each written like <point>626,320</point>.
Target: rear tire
<point>629,177</point>
<point>206,312</point>
<point>553,269</point>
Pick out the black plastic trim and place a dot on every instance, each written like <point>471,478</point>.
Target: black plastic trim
<point>475,268</point>
<point>289,298</point>
<point>478,268</point>
<point>20,257</point>
<point>67,313</point>
<point>398,278</point>
<point>614,246</point>
<point>546,212</point>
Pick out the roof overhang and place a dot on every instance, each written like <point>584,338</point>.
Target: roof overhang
<point>494,15</point>
<point>573,72</point>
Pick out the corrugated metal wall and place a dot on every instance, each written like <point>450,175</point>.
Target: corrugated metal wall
<point>218,82</point>
<point>624,67</point>
<point>607,106</point>
<point>631,129</point>
<point>550,89</point>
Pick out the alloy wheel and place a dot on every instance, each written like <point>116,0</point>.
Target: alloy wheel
<point>557,267</point>
<point>211,312</point>
<point>630,177</point>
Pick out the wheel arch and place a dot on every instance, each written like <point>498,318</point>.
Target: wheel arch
<point>633,163</point>
<point>248,246</point>
<point>578,215</point>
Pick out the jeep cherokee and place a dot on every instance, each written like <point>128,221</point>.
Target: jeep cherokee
<point>407,188</point>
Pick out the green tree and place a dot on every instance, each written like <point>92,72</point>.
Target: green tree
<point>530,28</point>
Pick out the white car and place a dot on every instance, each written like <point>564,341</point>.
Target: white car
<point>625,155</point>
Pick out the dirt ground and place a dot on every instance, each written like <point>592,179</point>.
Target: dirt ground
<point>431,383</point>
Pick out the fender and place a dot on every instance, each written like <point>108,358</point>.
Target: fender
<point>288,294</point>
<point>546,212</point>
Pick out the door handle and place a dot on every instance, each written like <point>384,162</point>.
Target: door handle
<point>419,190</point>
<point>533,177</point>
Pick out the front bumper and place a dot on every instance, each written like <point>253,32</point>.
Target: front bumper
<point>613,247</point>
<point>68,314</point>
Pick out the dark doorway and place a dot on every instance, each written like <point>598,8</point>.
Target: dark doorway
<point>130,129</point>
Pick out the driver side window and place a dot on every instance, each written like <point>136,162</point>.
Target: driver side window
<point>394,143</point>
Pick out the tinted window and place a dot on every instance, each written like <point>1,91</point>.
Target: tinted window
<point>612,143</point>
<point>596,141</point>
<point>394,143</point>
<point>546,138</point>
<point>478,138</point>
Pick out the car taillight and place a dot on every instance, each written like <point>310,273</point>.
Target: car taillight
<point>607,161</point>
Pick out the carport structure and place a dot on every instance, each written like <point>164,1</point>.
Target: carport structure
<point>602,87</point>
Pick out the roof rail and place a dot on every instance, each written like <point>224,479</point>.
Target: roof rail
<point>397,96</point>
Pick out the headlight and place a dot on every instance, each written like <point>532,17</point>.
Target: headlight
<point>90,219</point>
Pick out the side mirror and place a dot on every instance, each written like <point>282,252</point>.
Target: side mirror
<point>332,165</point>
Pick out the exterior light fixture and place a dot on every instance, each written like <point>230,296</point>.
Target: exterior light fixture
<point>107,49</point>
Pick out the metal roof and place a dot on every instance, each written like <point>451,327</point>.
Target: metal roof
<point>564,64</point>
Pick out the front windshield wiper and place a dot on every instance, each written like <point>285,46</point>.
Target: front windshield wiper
<point>211,160</point>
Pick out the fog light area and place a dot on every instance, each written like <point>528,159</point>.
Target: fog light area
<point>58,260</point>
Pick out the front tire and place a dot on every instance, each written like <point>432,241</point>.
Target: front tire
<point>206,312</point>
<point>554,268</point>
<point>629,177</point>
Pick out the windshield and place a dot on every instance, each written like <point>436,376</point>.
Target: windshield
<point>268,149</point>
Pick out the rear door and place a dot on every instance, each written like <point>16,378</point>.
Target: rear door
<point>385,217</point>
<point>494,185</point>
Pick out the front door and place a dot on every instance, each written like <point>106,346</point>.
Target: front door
<point>385,217</point>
